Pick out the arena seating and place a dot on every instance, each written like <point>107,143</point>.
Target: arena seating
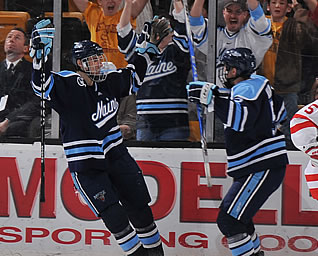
<point>9,20</point>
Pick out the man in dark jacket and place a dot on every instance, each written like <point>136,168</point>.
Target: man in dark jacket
<point>18,105</point>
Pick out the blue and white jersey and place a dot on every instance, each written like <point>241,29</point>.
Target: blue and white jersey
<point>252,114</point>
<point>88,125</point>
<point>255,35</point>
<point>162,100</point>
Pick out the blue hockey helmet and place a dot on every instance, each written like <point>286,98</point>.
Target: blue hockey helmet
<point>240,58</point>
<point>84,49</point>
<point>92,60</point>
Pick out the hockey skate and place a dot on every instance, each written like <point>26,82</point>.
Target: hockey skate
<point>260,253</point>
<point>157,251</point>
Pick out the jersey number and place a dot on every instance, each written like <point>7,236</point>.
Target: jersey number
<point>311,108</point>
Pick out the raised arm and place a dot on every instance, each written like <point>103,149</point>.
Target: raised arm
<point>196,10</point>
<point>81,4</point>
<point>312,4</point>
<point>252,4</point>
<point>126,14</point>
<point>137,7</point>
<point>178,5</point>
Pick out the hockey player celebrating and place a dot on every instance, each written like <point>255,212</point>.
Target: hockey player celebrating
<point>256,154</point>
<point>162,104</point>
<point>304,135</point>
<point>103,171</point>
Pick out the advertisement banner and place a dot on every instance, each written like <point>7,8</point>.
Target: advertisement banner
<point>184,207</point>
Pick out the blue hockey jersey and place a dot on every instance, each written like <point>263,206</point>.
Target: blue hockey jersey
<point>252,114</point>
<point>162,100</point>
<point>88,125</point>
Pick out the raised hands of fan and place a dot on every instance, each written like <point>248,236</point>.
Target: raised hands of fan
<point>41,39</point>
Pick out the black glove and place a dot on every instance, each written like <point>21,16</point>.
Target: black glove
<point>160,28</point>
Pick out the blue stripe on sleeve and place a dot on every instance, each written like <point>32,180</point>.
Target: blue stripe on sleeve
<point>196,21</point>
<point>238,115</point>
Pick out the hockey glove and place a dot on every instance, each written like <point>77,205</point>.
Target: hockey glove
<point>160,28</point>
<point>41,39</point>
<point>201,92</point>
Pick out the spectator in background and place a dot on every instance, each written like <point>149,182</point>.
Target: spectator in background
<point>126,117</point>
<point>313,8</point>
<point>282,63</point>
<point>255,34</point>
<point>314,90</point>
<point>144,16</point>
<point>18,106</point>
<point>309,50</point>
<point>34,7</point>
<point>162,109</point>
<point>102,18</point>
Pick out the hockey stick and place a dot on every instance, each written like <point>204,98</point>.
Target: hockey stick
<point>42,189</point>
<point>201,109</point>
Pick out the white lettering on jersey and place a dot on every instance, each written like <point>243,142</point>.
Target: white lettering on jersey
<point>160,70</point>
<point>103,110</point>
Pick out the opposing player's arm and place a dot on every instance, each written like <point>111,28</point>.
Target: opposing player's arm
<point>307,142</point>
<point>304,131</point>
<point>81,4</point>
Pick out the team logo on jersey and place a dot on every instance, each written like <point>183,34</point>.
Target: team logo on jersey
<point>104,109</point>
<point>80,81</point>
<point>100,196</point>
<point>160,70</point>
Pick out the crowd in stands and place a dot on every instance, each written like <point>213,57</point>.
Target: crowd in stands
<point>283,36</point>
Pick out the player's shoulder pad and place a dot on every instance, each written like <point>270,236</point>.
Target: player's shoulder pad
<point>250,89</point>
<point>66,73</point>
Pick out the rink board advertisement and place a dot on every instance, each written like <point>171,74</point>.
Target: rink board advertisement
<point>184,207</point>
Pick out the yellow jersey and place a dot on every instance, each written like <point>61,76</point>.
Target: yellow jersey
<point>269,61</point>
<point>104,32</point>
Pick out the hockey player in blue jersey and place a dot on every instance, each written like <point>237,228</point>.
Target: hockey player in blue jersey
<point>103,171</point>
<point>162,103</point>
<point>256,154</point>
